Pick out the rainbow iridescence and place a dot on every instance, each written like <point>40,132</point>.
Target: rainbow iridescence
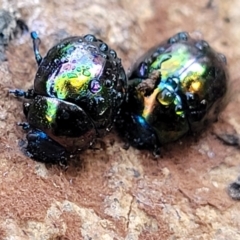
<point>74,74</point>
<point>185,72</point>
<point>78,90</point>
<point>176,87</point>
<point>51,109</point>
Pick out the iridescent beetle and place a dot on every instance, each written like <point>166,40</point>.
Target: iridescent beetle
<point>174,88</point>
<point>78,89</point>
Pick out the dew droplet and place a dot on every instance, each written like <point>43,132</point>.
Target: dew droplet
<point>94,86</point>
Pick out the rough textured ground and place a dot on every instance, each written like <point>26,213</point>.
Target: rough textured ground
<point>113,193</point>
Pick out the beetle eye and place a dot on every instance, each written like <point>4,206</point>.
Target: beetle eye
<point>165,97</point>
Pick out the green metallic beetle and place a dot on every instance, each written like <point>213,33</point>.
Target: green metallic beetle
<point>78,89</point>
<point>175,88</point>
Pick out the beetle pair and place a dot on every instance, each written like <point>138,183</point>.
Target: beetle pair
<point>81,90</point>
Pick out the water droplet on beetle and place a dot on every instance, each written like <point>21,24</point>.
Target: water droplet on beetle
<point>94,86</point>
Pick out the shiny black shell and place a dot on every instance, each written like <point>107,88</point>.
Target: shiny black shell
<point>175,88</point>
<point>86,72</point>
<point>78,89</point>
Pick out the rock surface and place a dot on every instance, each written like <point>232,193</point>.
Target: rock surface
<point>113,193</point>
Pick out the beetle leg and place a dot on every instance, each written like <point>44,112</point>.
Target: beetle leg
<point>24,125</point>
<point>36,43</point>
<point>21,93</point>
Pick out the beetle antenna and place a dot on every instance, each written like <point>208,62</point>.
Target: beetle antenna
<point>36,43</point>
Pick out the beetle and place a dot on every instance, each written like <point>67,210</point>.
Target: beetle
<point>78,89</point>
<point>175,88</point>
